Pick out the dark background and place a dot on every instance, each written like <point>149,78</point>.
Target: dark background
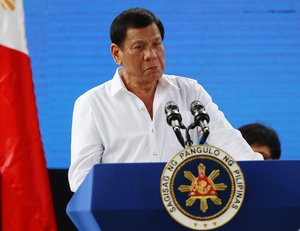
<point>61,195</point>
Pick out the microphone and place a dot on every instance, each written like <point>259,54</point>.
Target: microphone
<point>174,119</point>
<point>201,119</point>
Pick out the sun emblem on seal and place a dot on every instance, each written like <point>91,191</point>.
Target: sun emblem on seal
<point>202,188</point>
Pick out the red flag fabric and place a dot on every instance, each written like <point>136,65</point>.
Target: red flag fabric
<point>26,202</point>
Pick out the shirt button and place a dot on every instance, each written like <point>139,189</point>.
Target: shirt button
<point>154,153</point>
<point>143,109</point>
<point>153,130</point>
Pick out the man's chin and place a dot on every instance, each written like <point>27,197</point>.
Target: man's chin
<point>155,76</point>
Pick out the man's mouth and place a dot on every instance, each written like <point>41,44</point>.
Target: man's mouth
<point>153,68</point>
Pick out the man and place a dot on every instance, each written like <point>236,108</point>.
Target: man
<point>123,120</point>
<point>262,139</point>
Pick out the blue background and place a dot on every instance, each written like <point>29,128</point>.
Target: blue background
<point>246,54</point>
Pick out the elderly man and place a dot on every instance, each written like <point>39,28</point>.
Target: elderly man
<point>123,120</point>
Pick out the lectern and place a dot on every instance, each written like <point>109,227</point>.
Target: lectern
<point>116,197</point>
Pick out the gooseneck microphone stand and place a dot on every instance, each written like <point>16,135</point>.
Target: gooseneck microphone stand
<point>203,138</point>
<point>174,119</point>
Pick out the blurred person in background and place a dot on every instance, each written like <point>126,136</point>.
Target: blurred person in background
<point>262,139</point>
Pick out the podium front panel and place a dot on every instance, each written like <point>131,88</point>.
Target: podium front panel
<point>127,197</point>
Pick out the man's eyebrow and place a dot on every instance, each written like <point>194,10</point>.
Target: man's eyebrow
<point>157,38</point>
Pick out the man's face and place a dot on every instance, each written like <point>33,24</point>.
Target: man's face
<point>142,54</point>
<point>262,149</point>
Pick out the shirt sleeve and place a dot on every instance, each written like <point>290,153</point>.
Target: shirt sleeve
<point>86,146</point>
<point>222,134</point>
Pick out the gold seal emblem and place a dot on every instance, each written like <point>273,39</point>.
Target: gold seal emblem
<point>202,187</point>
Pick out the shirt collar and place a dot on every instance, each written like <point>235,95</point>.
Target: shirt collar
<point>168,82</point>
<point>117,83</point>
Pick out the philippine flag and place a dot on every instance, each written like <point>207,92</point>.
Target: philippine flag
<point>26,202</point>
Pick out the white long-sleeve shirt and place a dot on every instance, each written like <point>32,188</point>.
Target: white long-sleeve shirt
<point>111,124</point>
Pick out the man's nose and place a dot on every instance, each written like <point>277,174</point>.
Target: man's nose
<point>150,53</point>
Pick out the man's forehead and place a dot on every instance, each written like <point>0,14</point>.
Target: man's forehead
<point>150,32</point>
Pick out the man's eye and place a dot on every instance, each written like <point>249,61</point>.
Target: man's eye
<point>157,44</point>
<point>137,47</point>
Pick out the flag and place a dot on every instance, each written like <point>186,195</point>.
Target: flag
<point>26,202</point>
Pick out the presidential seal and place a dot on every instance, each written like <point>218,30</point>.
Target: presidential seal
<point>202,187</point>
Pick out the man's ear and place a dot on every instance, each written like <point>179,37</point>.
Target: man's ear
<point>116,53</point>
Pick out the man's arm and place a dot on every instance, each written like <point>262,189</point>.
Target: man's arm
<point>222,134</point>
<point>86,148</point>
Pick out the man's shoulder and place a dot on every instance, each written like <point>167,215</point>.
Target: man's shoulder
<point>179,78</point>
<point>180,81</point>
<point>95,92</point>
